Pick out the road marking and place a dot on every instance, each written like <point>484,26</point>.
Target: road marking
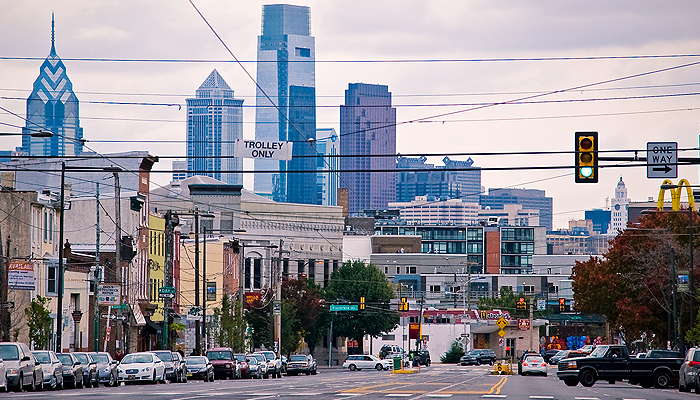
<point>350,394</point>
<point>439,395</point>
<point>399,395</point>
<point>303,394</point>
<point>586,398</point>
<point>541,397</point>
<point>499,396</point>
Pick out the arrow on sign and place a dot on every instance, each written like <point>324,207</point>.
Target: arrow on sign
<point>666,169</point>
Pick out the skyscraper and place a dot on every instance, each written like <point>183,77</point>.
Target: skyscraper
<point>367,128</point>
<point>328,145</point>
<point>214,122</point>
<point>52,106</point>
<point>286,102</point>
<point>528,198</point>
<point>455,180</point>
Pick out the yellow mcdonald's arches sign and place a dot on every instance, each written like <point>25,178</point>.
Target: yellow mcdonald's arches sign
<point>676,195</point>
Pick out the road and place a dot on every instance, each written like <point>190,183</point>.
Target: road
<point>436,382</point>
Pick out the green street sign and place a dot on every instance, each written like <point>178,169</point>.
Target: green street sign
<point>343,307</point>
<point>166,289</point>
<point>119,307</point>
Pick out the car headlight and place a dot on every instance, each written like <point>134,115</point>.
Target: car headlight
<point>572,364</point>
<point>147,369</point>
<point>12,371</point>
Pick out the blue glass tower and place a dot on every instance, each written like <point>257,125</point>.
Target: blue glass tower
<point>286,110</point>
<point>52,106</point>
<point>214,123</point>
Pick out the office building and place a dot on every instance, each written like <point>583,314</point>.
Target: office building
<point>52,106</point>
<point>600,219</point>
<point>328,146</point>
<point>214,123</point>
<point>528,198</point>
<point>368,128</point>
<point>455,180</point>
<point>179,170</point>
<point>285,108</point>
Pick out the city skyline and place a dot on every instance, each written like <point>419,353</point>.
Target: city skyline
<point>133,100</point>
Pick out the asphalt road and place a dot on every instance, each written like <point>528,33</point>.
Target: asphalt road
<point>435,382</point>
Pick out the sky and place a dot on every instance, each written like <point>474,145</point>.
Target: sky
<point>632,64</point>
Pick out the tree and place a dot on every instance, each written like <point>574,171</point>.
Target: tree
<point>506,301</point>
<point>258,318</point>
<point>353,280</point>
<point>39,321</point>
<point>310,318</point>
<point>455,353</point>
<point>229,324</point>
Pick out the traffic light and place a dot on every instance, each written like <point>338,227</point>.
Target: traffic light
<point>562,304</point>
<point>521,305</point>
<point>586,161</point>
<point>362,303</point>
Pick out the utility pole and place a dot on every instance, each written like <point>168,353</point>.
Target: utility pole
<point>197,328</point>
<point>241,287</point>
<point>98,274</point>
<point>4,314</point>
<point>532,300</point>
<point>59,300</point>
<point>170,221</point>
<point>205,337</point>
<point>121,273</point>
<point>278,299</point>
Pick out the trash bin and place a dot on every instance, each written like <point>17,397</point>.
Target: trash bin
<point>397,363</point>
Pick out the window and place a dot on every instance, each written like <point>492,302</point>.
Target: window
<point>389,337</point>
<point>529,288</point>
<point>411,270</point>
<point>386,270</point>
<point>434,288</point>
<point>302,52</point>
<point>51,279</point>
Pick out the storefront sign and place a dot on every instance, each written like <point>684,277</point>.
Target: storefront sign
<point>20,275</point>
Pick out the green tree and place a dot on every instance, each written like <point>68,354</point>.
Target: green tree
<point>310,318</point>
<point>353,280</point>
<point>39,321</point>
<point>258,316</point>
<point>230,324</point>
<point>506,301</point>
<point>454,354</point>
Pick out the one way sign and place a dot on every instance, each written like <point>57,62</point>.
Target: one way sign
<point>662,160</point>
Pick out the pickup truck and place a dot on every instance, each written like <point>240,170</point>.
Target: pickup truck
<point>613,363</point>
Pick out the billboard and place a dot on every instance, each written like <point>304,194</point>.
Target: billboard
<point>20,275</point>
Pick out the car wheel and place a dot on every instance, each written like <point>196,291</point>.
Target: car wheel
<point>314,372</point>
<point>587,378</point>
<point>352,367</point>
<point>80,382</point>
<point>112,381</point>
<point>378,367</point>
<point>524,373</point>
<point>53,384</point>
<point>153,379</point>
<point>662,380</point>
<point>697,389</point>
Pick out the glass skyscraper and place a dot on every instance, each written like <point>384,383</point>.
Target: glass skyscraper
<point>52,106</point>
<point>286,102</point>
<point>214,122</point>
<point>328,145</point>
<point>367,128</point>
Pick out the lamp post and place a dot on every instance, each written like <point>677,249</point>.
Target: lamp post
<point>61,277</point>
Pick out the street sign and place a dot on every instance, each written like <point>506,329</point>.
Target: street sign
<point>501,341</point>
<point>166,295</point>
<point>9,304</point>
<point>662,160</point>
<point>113,316</point>
<point>501,333</point>
<point>502,323</point>
<point>166,292</point>
<point>119,307</point>
<point>276,308</point>
<point>343,307</point>
<point>109,295</point>
<point>541,304</point>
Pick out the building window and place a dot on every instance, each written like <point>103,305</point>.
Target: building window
<point>51,279</point>
<point>411,270</point>
<point>434,288</point>
<point>386,270</point>
<point>302,52</point>
<point>529,288</point>
<point>388,337</point>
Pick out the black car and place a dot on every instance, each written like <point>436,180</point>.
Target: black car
<point>72,370</point>
<point>419,357</point>
<point>199,367</point>
<point>91,376</point>
<point>173,369</point>
<point>548,354</point>
<point>479,356</point>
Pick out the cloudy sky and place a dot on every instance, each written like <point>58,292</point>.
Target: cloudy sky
<point>437,57</point>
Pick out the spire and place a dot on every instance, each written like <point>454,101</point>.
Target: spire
<point>53,34</point>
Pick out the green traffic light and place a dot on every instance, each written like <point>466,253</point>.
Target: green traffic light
<point>586,172</point>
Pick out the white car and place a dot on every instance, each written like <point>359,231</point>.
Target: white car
<point>534,365</point>
<point>141,367</point>
<point>262,362</point>
<point>359,361</point>
<point>3,378</point>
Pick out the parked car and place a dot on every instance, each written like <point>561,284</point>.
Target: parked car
<point>558,357</point>
<point>199,367</point>
<point>391,350</point>
<point>360,361</point>
<point>72,370</point>
<point>688,373</point>
<point>478,356</point>
<point>91,377</point>
<point>534,364</point>
<point>548,354</point>
<point>255,367</point>
<point>262,364</point>
<point>243,366</point>
<point>223,361</point>
<point>141,367</point>
<point>21,367</point>
<point>171,372</point>
<point>420,357</point>
<point>180,368</point>
<point>301,364</point>
<point>52,368</point>
<point>274,364</point>
<point>107,367</point>
<point>522,359</point>
<point>3,376</point>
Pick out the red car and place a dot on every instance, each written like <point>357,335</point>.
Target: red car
<point>223,361</point>
<point>243,367</point>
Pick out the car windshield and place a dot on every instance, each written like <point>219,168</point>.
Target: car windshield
<point>599,351</point>
<point>474,353</point>
<point>252,361</point>
<point>65,359</point>
<point>195,361</point>
<point>83,358</point>
<point>164,355</point>
<point>42,357</point>
<point>270,355</point>
<point>259,357</point>
<point>101,358</point>
<point>297,357</point>
<point>137,359</point>
<point>219,355</point>
<point>9,352</point>
<point>240,357</point>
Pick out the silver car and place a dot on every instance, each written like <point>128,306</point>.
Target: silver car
<point>53,368</point>
<point>21,367</point>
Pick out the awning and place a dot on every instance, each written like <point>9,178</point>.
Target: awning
<point>483,328</point>
<point>154,326</point>
<point>138,315</point>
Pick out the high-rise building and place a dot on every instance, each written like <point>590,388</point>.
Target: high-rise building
<point>285,108</point>
<point>52,106</point>
<point>620,208</point>
<point>454,180</point>
<point>528,198</point>
<point>328,146</point>
<point>181,167</point>
<point>600,219</point>
<point>214,122</point>
<point>368,128</point>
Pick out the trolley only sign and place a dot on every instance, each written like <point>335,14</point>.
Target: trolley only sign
<point>662,160</point>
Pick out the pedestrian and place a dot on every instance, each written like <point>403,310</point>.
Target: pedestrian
<point>120,354</point>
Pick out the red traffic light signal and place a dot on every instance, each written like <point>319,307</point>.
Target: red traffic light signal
<point>562,304</point>
<point>521,305</point>
<point>586,157</point>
